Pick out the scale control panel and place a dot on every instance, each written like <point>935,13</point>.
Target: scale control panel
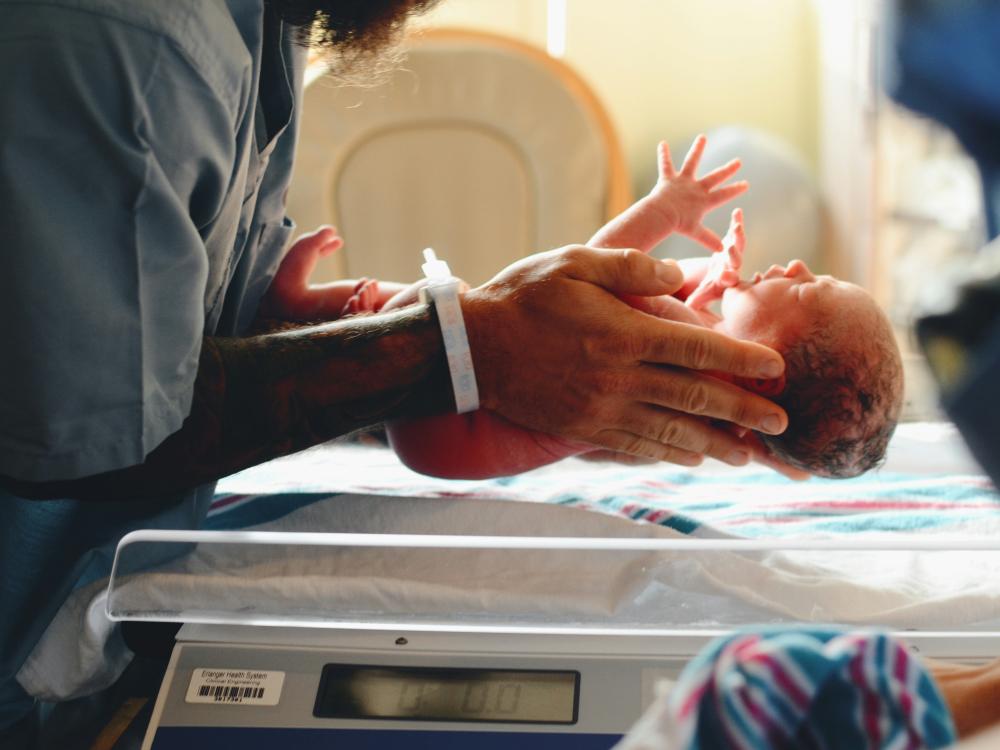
<point>393,693</point>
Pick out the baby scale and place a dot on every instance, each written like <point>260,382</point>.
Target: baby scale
<point>305,640</point>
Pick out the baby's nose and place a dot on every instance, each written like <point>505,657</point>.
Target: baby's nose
<point>797,268</point>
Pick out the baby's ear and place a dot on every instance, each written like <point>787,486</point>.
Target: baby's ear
<point>770,387</point>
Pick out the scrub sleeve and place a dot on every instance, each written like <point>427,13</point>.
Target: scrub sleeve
<point>141,210</point>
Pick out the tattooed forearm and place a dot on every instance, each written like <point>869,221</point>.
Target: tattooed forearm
<point>266,396</point>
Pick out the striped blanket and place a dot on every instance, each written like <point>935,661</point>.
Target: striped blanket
<point>928,485</point>
<point>799,687</point>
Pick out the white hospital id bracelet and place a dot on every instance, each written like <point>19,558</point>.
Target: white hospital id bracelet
<point>442,290</point>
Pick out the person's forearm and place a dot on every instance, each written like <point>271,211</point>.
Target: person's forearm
<point>266,396</point>
<point>641,226</point>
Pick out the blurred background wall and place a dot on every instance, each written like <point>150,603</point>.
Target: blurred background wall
<point>662,76</point>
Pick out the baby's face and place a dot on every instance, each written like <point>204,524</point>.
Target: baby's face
<point>779,306</point>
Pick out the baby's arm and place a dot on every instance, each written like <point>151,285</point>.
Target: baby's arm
<point>677,203</point>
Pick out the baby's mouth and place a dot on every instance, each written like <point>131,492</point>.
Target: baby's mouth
<point>744,285</point>
<point>774,272</point>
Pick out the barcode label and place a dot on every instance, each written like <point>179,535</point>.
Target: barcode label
<point>235,687</point>
<point>229,693</point>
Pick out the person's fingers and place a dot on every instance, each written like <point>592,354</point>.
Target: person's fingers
<point>622,441</point>
<point>762,455</point>
<point>664,306</point>
<point>663,157</point>
<point>623,271</point>
<point>693,157</point>
<point>707,237</point>
<point>704,396</point>
<point>789,472</point>
<point>720,175</point>
<point>602,456</point>
<point>727,193</point>
<point>688,433</point>
<point>735,429</point>
<point>695,348</point>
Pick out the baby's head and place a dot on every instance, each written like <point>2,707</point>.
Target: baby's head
<point>843,384</point>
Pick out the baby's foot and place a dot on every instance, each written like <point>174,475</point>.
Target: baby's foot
<point>288,296</point>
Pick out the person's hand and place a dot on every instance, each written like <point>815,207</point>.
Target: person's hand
<point>724,266</point>
<point>556,350</point>
<point>689,197</point>
<point>603,456</point>
<point>410,294</point>
<point>760,454</point>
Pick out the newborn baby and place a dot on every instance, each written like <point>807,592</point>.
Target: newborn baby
<point>843,380</point>
<point>842,387</point>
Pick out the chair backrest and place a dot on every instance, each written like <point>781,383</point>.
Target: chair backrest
<point>482,147</point>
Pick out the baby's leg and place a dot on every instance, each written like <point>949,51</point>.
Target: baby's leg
<point>478,445</point>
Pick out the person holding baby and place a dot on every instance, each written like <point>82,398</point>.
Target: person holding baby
<point>147,150</point>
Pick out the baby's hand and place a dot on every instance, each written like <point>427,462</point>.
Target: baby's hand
<point>689,198</point>
<point>733,245</point>
<point>724,266</point>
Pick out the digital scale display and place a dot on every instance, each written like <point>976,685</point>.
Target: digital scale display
<point>353,691</point>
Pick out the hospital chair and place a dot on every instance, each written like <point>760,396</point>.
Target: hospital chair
<point>480,146</point>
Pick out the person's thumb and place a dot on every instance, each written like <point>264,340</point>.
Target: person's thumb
<point>626,272</point>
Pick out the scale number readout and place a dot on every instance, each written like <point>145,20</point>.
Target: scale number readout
<point>460,694</point>
<point>235,687</point>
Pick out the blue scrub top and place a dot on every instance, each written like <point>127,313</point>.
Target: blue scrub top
<point>145,151</point>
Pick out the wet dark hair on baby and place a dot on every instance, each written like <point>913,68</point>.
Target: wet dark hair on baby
<point>843,396</point>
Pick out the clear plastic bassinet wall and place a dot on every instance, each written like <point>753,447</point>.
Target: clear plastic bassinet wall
<point>553,584</point>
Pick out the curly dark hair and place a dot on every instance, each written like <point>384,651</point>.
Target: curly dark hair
<point>356,32</point>
<point>843,394</point>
